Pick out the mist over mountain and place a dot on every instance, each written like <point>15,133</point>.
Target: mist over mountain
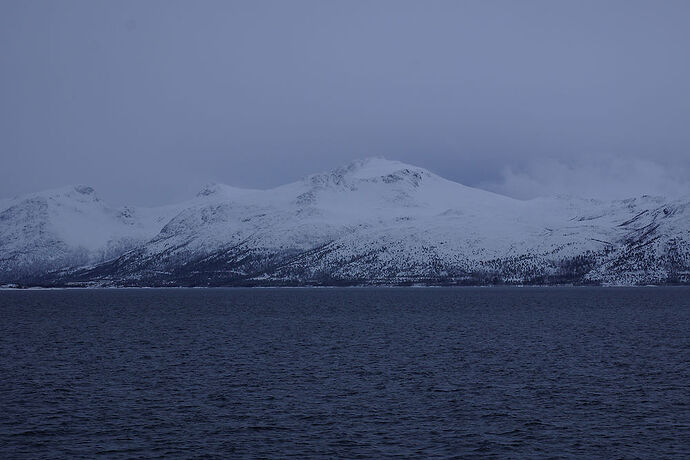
<point>373,221</point>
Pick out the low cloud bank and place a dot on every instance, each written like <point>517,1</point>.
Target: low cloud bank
<point>602,177</point>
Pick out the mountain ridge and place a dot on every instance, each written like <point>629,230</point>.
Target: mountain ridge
<point>373,221</point>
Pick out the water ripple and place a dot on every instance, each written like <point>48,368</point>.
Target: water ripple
<point>354,373</point>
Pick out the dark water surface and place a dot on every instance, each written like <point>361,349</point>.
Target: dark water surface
<point>368,373</point>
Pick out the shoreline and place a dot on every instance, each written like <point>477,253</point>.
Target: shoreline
<point>362,287</point>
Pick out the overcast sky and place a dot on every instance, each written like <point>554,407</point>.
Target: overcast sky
<point>149,100</point>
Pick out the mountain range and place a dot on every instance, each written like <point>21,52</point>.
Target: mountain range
<point>372,222</point>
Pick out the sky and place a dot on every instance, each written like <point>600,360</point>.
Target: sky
<point>147,101</point>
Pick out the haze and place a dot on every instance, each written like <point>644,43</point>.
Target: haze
<point>148,101</point>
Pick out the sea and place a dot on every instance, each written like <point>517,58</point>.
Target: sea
<point>558,372</point>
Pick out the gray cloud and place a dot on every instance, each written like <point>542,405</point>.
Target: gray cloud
<point>604,177</point>
<point>146,101</point>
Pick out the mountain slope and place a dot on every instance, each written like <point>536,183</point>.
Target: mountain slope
<point>68,227</point>
<point>373,221</point>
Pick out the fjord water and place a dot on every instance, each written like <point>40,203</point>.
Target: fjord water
<point>468,372</point>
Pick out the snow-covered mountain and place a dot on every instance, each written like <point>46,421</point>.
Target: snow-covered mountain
<point>69,227</point>
<point>372,222</point>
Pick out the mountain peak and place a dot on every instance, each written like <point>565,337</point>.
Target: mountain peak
<point>211,188</point>
<point>79,192</point>
<point>375,167</point>
<point>84,189</point>
<point>370,169</point>
<point>223,191</point>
